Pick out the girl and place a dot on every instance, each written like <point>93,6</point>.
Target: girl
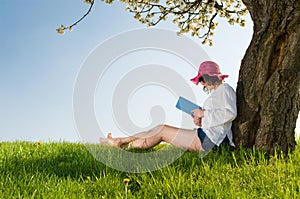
<point>214,120</point>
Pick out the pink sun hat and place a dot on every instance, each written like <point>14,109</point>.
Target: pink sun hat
<point>209,68</point>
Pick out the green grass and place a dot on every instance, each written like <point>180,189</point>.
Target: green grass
<point>68,170</point>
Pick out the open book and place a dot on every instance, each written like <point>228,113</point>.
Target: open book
<point>186,105</point>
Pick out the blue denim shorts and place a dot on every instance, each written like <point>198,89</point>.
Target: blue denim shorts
<point>207,144</point>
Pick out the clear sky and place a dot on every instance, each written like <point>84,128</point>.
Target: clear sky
<point>38,67</point>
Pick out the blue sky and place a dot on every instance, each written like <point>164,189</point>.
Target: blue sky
<point>38,67</point>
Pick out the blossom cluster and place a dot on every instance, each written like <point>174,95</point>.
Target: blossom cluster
<point>62,28</point>
<point>191,16</point>
<point>88,1</point>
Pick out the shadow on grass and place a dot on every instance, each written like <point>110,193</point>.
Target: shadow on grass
<point>69,160</point>
<point>60,159</point>
<point>76,161</point>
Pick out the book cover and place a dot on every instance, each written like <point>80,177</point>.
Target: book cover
<point>186,105</point>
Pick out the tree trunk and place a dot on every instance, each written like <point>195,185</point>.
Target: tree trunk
<point>268,91</point>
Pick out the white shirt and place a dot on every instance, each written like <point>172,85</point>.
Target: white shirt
<point>220,111</point>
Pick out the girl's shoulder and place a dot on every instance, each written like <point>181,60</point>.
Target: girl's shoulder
<point>228,88</point>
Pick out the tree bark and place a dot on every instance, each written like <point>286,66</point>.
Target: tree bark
<point>268,91</point>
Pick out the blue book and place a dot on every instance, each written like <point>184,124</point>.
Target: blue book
<point>186,105</point>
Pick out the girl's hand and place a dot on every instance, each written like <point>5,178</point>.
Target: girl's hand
<point>198,113</point>
<point>197,121</point>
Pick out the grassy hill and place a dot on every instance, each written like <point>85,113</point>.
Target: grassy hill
<point>68,170</point>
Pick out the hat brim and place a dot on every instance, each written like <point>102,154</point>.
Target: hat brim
<point>195,80</point>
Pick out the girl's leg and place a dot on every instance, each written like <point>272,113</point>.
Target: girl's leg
<point>183,138</point>
<point>121,141</point>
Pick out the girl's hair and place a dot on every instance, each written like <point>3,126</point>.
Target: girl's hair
<point>210,80</point>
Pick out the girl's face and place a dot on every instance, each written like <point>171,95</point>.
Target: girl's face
<point>205,85</point>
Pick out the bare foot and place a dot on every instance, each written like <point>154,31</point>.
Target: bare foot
<point>110,141</point>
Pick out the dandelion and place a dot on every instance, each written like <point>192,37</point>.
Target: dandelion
<point>126,181</point>
<point>38,143</point>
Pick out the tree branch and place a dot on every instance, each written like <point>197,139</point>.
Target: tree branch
<point>62,28</point>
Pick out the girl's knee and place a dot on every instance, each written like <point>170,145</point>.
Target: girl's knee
<point>160,128</point>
